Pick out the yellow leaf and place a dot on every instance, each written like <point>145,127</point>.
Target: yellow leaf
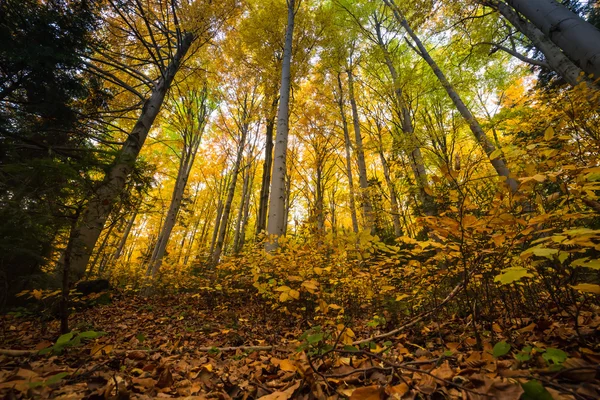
<point>318,271</point>
<point>495,154</point>
<point>37,294</point>
<point>287,365</point>
<point>387,288</point>
<point>549,133</point>
<point>587,288</point>
<point>539,177</point>
<point>294,294</point>
<point>401,297</point>
<point>283,289</point>
<point>311,285</point>
<point>284,297</point>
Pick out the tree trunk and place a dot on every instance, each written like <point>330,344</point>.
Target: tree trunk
<point>216,255</point>
<point>555,58</point>
<point>393,198</point>
<point>487,146</point>
<point>413,149</point>
<point>348,146</point>
<point>276,219</point>
<point>124,237</point>
<point>263,206</point>
<point>183,174</point>
<point>238,223</point>
<point>579,39</point>
<point>94,216</point>
<point>360,156</point>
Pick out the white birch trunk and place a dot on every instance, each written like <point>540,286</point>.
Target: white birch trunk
<point>93,218</point>
<point>276,219</point>
<point>577,38</point>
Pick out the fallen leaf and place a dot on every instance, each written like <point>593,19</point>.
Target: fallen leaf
<point>368,393</point>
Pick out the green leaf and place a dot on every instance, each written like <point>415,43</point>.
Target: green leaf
<point>501,349</point>
<point>91,334</point>
<point>585,262</point>
<point>350,348</point>
<point>387,343</point>
<point>557,356</point>
<point>512,274</point>
<point>316,338</point>
<point>56,378</point>
<point>522,356</point>
<point>64,339</point>
<point>535,391</point>
<point>140,337</point>
<point>47,350</point>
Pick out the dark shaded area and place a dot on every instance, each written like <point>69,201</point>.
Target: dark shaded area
<point>93,286</point>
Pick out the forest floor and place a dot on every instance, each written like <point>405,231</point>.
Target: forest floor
<point>183,346</point>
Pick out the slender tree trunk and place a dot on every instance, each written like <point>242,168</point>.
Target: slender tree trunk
<point>555,58</point>
<point>238,223</point>
<point>124,237</point>
<point>348,146</point>
<point>485,143</point>
<point>393,198</point>
<point>216,255</point>
<point>263,206</point>
<point>98,209</point>
<point>183,174</point>
<point>246,215</point>
<point>579,39</point>
<point>360,156</point>
<point>276,219</point>
<point>319,202</point>
<point>213,241</point>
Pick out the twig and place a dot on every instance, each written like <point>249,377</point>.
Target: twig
<point>418,319</point>
<point>17,353</point>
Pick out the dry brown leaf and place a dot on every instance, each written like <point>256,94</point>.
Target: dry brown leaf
<point>283,395</point>
<point>397,391</point>
<point>165,380</point>
<point>427,384</point>
<point>444,371</point>
<point>368,393</point>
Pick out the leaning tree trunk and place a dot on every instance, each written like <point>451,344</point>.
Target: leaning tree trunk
<point>360,156</point>
<point>94,216</point>
<point>348,146</point>
<point>579,39</point>
<point>413,151</point>
<point>555,58</point>
<point>183,174</point>
<point>485,143</point>
<point>276,223</point>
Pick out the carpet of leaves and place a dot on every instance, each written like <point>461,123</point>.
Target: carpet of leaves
<point>165,347</point>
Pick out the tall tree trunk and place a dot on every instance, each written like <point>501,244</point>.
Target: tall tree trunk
<point>276,223</point>
<point>555,58</point>
<point>485,143</point>
<point>348,146</point>
<point>263,206</point>
<point>402,112</point>
<point>94,216</point>
<point>579,39</point>
<point>360,156</point>
<point>216,255</point>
